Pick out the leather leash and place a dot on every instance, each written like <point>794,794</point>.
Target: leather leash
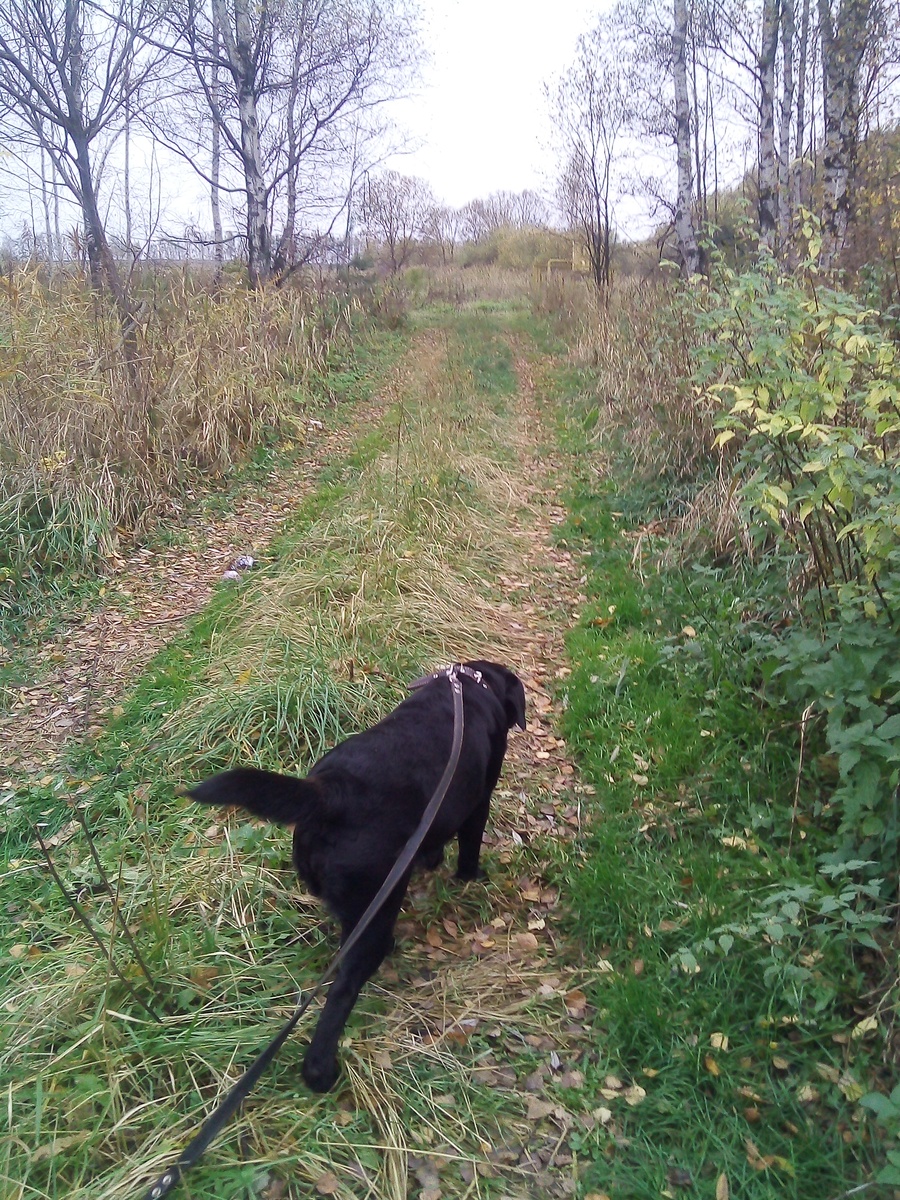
<point>237,1093</point>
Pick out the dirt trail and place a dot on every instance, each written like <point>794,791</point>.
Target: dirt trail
<point>84,668</point>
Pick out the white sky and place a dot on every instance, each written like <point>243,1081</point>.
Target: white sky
<point>480,116</point>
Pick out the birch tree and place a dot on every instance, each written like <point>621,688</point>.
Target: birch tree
<point>289,84</point>
<point>69,72</point>
<point>844,26</point>
<point>785,123</point>
<point>685,233</point>
<point>767,203</point>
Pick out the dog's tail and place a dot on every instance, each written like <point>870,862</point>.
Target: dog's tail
<point>279,798</point>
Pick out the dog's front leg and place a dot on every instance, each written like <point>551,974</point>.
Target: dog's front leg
<point>320,1066</point>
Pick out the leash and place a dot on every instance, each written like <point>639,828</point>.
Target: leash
<point>234,1098</point>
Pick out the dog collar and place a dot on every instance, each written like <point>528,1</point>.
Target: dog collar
<point>452,672</point>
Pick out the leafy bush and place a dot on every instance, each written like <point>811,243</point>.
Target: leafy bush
<point>805,387</point>
<point>887,1115</point>
<point>798,925</point>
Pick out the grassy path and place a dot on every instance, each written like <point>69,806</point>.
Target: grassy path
<point>431,539</point>
<point>67,689</point>
<point>542,1035</point>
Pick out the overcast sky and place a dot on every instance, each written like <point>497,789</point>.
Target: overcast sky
<point>480,115</point>
<point>478,122</point>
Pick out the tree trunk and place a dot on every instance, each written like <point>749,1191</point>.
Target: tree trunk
<point>843,45</point>
<point>684,223</point>
<point>239,48</point>
<point>768,175</point>
<point>798,194</point>
<point>45,201</point>
<point>216,149</point>
<point>127,179</point>
<point>285,254</point>
<point>785,117</point>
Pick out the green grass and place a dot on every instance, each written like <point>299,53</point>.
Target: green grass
<point>694,767</point>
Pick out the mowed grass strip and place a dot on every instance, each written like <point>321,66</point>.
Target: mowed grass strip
<point>386,570</point>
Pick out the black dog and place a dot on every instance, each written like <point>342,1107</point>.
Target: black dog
<point>360,804</point>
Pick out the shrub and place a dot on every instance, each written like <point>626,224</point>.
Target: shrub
<point>805,385</point>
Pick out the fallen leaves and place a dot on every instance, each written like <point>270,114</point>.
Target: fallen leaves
<point>762,1162</point>
<point>327,1184</point>
<point>615,1089</point>
<point>576,1002</point>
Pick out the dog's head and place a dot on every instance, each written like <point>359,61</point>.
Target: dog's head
<point>507,686</point>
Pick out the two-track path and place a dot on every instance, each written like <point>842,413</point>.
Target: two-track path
<point>86,667</point>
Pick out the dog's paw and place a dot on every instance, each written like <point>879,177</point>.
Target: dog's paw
<point>320,1072</point>
<point>469,876</point>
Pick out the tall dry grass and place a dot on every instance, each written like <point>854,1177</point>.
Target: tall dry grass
<point>89,449</point>
<point>640,343</point>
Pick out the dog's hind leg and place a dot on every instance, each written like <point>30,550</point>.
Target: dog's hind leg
<point>469,837</point>
<point>320,1066</point>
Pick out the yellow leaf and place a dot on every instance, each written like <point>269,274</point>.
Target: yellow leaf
<point>718,1041</point>
<point>722,1189</point>
<point>866,1026</point>
<point>851,1089</point>
<point>711,1065</point>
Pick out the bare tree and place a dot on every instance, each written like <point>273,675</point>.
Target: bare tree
<point>69,71</point>
<point>443,226</point>
<point>590,112</point>
<point>288,84</point>
<point>767,202</point>
<point>685,233</point>
<point>785,121</point>
<point>215,164</point>
<point>395,210</point>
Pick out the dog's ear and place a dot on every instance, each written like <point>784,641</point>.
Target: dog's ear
<point>507,686</point>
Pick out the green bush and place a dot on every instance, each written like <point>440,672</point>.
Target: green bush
<point>805,385</point>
